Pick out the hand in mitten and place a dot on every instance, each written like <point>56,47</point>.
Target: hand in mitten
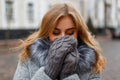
<point>70,65</point>
<point>57,53</point>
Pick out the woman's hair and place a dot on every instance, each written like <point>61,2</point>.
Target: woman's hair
<point>50,21</point>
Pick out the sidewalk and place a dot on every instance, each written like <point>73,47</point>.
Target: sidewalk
<point>103,38</point>
<point>9,52</point>
<point>10,46</point>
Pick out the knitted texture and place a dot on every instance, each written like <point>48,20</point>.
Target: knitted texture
<point>57,53</point>
<point>70,65</point>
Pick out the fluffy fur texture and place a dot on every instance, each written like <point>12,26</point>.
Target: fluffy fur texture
<point>39,51</point>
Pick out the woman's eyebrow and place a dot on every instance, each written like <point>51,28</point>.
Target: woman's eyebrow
<point>57,29</point>
<point>70,28</point>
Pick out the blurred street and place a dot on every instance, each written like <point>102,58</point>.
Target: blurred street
<point>111,49</point>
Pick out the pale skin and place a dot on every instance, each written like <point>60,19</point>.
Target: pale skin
<point>64,27</point>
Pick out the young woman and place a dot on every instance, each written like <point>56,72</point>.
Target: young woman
<point>62,49</point>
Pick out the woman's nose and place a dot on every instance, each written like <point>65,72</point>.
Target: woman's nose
<point>63,34</point>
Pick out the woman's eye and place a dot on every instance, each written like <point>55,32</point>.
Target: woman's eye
<point>70,33</point>
<point>56,32</point>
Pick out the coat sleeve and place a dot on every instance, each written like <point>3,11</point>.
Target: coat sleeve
<point>72,77</point>
<point>43,76</point>
<point>95,76</point>
<point>22,73</point>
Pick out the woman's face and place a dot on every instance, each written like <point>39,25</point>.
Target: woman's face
<point>64,27</point>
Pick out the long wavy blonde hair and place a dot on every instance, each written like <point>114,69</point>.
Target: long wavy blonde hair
<point>48,24</point>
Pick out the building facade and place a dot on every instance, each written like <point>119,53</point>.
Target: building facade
<point>19,18</point>
<point>22,15</point>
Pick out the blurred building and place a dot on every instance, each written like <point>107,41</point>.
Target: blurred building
<point>22,14</point>
<point>21,17</point>
<point>105,14</point>
<point>80,5</point>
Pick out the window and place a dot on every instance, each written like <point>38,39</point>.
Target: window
<point>30,12</point>
<point>9,11</point>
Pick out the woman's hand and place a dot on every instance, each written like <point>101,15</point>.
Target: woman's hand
<point>57,54</point>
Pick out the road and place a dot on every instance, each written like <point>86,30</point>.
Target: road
<point>110,49</point>
<point>8,64</point>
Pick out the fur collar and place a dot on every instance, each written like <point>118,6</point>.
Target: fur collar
<point>39,51</point>
<point>40,47</point>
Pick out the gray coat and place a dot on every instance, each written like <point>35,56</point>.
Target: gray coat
<point>32,68</point>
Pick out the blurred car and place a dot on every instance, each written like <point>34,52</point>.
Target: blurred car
<point>116,33</point>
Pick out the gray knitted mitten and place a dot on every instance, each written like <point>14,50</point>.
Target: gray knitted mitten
<point>70,64</point>
<point>57,53</point>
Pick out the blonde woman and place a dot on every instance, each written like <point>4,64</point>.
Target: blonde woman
<point>62,49</point>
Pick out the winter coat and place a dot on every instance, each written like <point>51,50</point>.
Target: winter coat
<point>32,68</point>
